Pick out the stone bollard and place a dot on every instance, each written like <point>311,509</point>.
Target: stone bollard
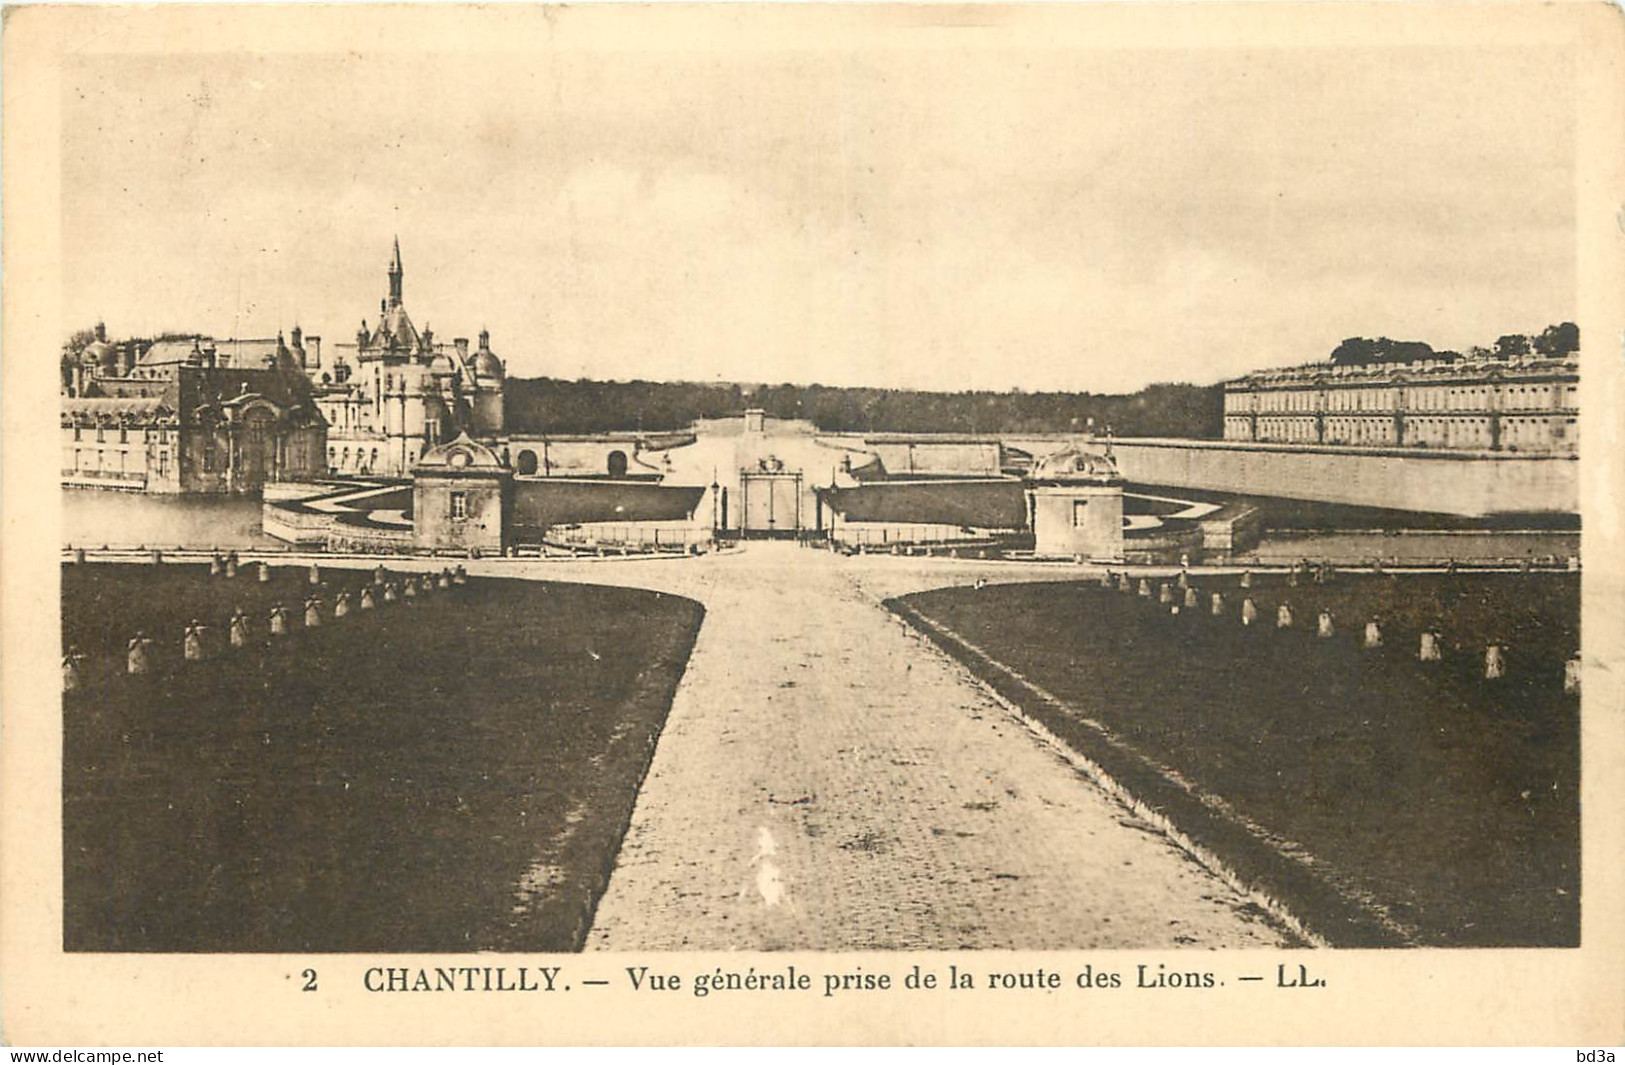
<point>1494,664</point>
<point>1190,598</point>
<point>79,555</point>
<point>138,660</point>
<point>1216,604</point>
<point>265,572</point>
<point>1165,594</point>
<point>367,602</point>
<point>315,573</point>
<point>1283,616</point>
<point>237,631</point>
<point>1249,611</point>
<point>1145,588</point>
<point>70,669</point>
<point>1373,634</point>
<point>192,642</point>
<point>278,622</point>
<point>1571,675</point>
<point>341,606</point>
<point>1246,578</point>
<point>1323,627</point>
<point>217,565</point>
<point>313,613</point>
<point>1428,651</point>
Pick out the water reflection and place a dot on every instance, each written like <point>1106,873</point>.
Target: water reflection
<point>93,517</point>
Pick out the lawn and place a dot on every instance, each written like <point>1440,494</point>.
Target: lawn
<point>1433,807</point>
<point>453,774</point>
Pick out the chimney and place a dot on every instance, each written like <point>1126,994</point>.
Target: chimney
<point>313,349</point>
<point>462,348</point>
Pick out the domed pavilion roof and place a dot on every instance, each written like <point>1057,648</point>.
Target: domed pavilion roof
<point>463,454</point>
<point>1076,465</point>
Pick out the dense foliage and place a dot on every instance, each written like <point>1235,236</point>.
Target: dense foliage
<point>1553,342</point>
<point>558,406</point>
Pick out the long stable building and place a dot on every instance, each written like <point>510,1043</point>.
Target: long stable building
<point>1523,404</point>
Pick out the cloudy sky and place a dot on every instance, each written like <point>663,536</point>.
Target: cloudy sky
<point>950,217</point>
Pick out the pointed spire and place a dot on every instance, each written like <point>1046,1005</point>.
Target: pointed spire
<point>396,272</point>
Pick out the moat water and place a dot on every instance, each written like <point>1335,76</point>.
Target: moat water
<point>92,517</point>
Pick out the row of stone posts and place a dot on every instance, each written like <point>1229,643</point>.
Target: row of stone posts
<point>139,654</point>
<point>1183,596</point>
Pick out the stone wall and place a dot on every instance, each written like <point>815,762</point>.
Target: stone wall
<point>1470,484</point>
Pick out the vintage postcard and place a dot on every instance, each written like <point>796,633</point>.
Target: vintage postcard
<point>813,524</point>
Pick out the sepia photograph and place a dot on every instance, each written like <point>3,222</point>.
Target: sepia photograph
<point>893,479</point>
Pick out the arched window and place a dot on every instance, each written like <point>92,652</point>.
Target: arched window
<point>527,462</point>
<point>617,464</point>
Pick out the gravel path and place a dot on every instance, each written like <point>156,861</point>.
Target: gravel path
<point>826,781</point>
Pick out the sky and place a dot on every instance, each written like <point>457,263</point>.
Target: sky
<point>950,217</point>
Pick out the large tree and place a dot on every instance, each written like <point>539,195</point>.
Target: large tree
<point>1558,340</point>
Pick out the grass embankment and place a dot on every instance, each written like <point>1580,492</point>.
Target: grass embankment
<point>456,774</point>
<point>1432,807</point>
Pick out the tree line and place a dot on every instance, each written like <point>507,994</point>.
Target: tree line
<point>1555,341</point>
<point>548,404</point>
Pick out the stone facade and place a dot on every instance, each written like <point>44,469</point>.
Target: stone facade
<point>397,392</point>
<point>1076,502</point>
<point>189,416</point>
<point>1522,404</point>
<point>462,498</point>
